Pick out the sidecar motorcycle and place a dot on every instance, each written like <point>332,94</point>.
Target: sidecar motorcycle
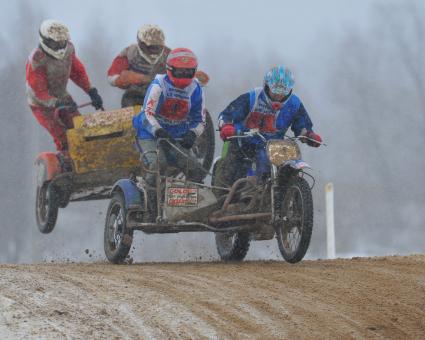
<point>249,210</point>
<point>101,150</point>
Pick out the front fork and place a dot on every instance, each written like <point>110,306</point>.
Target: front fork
<point>272,191</point>
<point>278,189</point>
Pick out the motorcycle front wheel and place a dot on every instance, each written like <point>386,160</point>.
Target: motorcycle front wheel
<point>117,237</point>
<point>295,224</point>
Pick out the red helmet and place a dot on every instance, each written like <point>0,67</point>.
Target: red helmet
<point>181,67</point>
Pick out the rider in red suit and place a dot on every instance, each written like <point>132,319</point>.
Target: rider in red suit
<point>138,64</point>
<point>48,69</point>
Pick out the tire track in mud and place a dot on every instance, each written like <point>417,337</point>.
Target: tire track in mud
<point>357,298</point>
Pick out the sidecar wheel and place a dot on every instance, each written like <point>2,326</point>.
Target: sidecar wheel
<point>232,246</point>
<point>294,229</point>
<point>46,207</point>
<point>117,237</point>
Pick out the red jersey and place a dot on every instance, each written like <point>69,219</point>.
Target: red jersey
<point>47,77</point>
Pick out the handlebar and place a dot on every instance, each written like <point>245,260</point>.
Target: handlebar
<point>248,134</point>
<point>57,113</point>
<point>78,107</point>
<point>307,138</point>
<point>256,132</point>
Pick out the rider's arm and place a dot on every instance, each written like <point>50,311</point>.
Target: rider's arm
<point>237,110</point>
<point>78,73</point>
<point>197,112</point>
<point>301,121</point>
<point>36,77</point>
<point>120,75</point>
<point>150,105</point>
<point>202,77</point>
<point>119,64</point>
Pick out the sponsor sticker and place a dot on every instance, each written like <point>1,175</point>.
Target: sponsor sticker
<point>182,197</point>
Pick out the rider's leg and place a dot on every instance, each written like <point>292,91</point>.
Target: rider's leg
<point>45,117</point>
<point>262,164</point>
<point>231,168</point>
<point>149,161</point>
<point>66,116</point>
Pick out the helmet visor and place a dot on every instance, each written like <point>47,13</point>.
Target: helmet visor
<point>183,72</point>
<point>55,45</point>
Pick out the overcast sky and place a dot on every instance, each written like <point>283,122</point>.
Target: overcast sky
<point>291,25</point>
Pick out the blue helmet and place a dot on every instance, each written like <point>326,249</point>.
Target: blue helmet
<point>279,80</point>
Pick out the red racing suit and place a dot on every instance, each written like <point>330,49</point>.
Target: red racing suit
<point>130,59</point>
<point>46,80</point>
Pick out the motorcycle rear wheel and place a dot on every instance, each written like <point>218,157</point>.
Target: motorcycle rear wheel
<point>232,246</point>
<point>293,231</point>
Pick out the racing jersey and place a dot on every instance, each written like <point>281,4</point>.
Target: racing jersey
<point>130,59</point>
<point>47,77</point>
<point>173,109</point>
<point>253,110</point>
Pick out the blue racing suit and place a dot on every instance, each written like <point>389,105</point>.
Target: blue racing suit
<point>173,109</point>
<point>253,110</point>
<point>177,111</point>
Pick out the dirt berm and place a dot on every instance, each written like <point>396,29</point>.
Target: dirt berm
<point>356,298</point>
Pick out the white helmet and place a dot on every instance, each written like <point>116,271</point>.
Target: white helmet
<point>150,41</point>
<point>54,37</point>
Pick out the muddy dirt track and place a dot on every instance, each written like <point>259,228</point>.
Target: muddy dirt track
<point>356,298</point>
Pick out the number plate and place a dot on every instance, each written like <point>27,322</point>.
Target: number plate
<point>182,197</point>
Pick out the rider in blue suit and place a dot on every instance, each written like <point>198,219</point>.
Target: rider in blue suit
<point>174,107</point>
<point>272,109</point>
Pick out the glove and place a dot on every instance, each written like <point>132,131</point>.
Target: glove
<point>127,78</point>
<point>66,104</point>
<point>188,139</point>
<point>162,133</point>
<point>202,77</point>
<point>227,130</point>
<point>96,99</point>
<point>317,139</point>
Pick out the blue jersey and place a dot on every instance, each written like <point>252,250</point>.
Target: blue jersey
<point>253,110</point>
<point>173,109</point>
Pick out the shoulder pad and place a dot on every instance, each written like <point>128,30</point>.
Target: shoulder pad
<point>159,78</point>
<point>129,50</point>
<point>71,47</point>
<point>294,98</point>
<point>37,57</point>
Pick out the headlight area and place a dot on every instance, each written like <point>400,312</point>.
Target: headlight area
<point>280,151</point>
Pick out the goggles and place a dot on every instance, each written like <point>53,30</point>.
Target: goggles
<point>280,90</point>
<point>182,72</point>
<point>55,45</point>
<point>151,49</point>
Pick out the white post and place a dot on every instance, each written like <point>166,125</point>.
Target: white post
<point>330,226</point>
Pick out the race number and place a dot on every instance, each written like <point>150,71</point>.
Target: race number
<point>182,197</point>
